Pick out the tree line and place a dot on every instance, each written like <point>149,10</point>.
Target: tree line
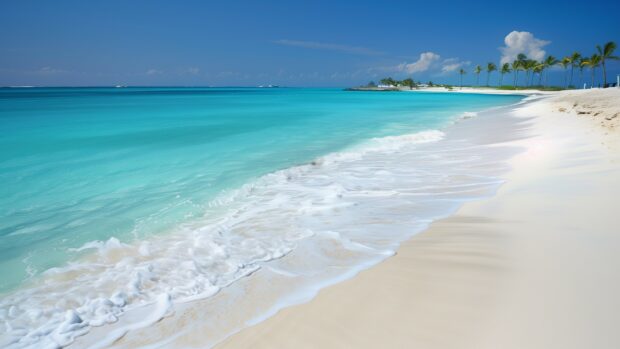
<point>533,68</point>
<point>536,69</point>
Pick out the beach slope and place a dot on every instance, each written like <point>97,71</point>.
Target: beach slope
<point>534,266</point>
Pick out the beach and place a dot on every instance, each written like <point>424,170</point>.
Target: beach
<point>178,216</point>
<point>486,228</point>
<point>300,175</point>
<point>482,90</point>
<point>534,266</point>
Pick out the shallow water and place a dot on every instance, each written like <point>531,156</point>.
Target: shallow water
<point>116,198</point>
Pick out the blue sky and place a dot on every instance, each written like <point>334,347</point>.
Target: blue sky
<point>293,43</point>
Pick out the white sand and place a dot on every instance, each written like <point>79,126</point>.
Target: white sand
<point>536,266</point>
<point>599,105</point>
<point>483,90</point>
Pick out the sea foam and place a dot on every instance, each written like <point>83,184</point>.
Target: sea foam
<point>349,209</point>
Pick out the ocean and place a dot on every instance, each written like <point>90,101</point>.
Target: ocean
<point>112,199</point>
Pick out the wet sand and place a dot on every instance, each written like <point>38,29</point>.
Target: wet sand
<point>535,266</point>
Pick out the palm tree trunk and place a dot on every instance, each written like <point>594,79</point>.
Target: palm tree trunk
<point>514,83</point>
<point>565,78</point>
<point>529,78</point>
<point>572,68</point>
<point>604,74</point>
<point>592,86</point>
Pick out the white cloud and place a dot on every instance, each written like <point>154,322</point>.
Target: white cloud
<point>423,64</point>
<point>330,47</point>
<point>452,64</point>
<point>522,42</point>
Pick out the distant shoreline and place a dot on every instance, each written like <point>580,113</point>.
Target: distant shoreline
<point>373,89</point>
<point>444,89</point>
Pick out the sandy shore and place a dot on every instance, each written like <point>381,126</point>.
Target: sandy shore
<point>535,266</point>
<point>482,90</point>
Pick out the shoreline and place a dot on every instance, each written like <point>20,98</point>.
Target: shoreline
<point>456,89</point>
<point>329,218</point>
<point>486,91</point>
<point>187,323</point>
<point>532,266</point>
<point>202,323</point>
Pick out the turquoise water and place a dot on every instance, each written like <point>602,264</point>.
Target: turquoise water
<point>85,164</point>
<point>138,200</point>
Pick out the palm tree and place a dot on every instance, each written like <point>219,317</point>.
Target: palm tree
<point>565,62</point>
<point>505,70</point>
<point>606,53</point>
<point>592,62</point>
<point>389,82</point>
<point>477,71</point>
<point>581,65</point>
<point>550,61</point>
<point>462,72</point>
<point>538,69</point>
<point>491,67</point>
<point>574,61</point>
<point>532,65</point>
<point>409,83</point>
<point>516,66</point>
<point>528,65</point>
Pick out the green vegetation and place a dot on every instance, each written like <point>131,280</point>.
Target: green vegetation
<point>491,67</point>
<point>575,60</point>
<point>606,53</point>
<point>505,70</point>
<point>477,71</point>
<point>593,62</point>
<point>565,63</point>
<point>550,61</point>
<point>388,82</point>
<point>408,83</point>
<point>532,69</point>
